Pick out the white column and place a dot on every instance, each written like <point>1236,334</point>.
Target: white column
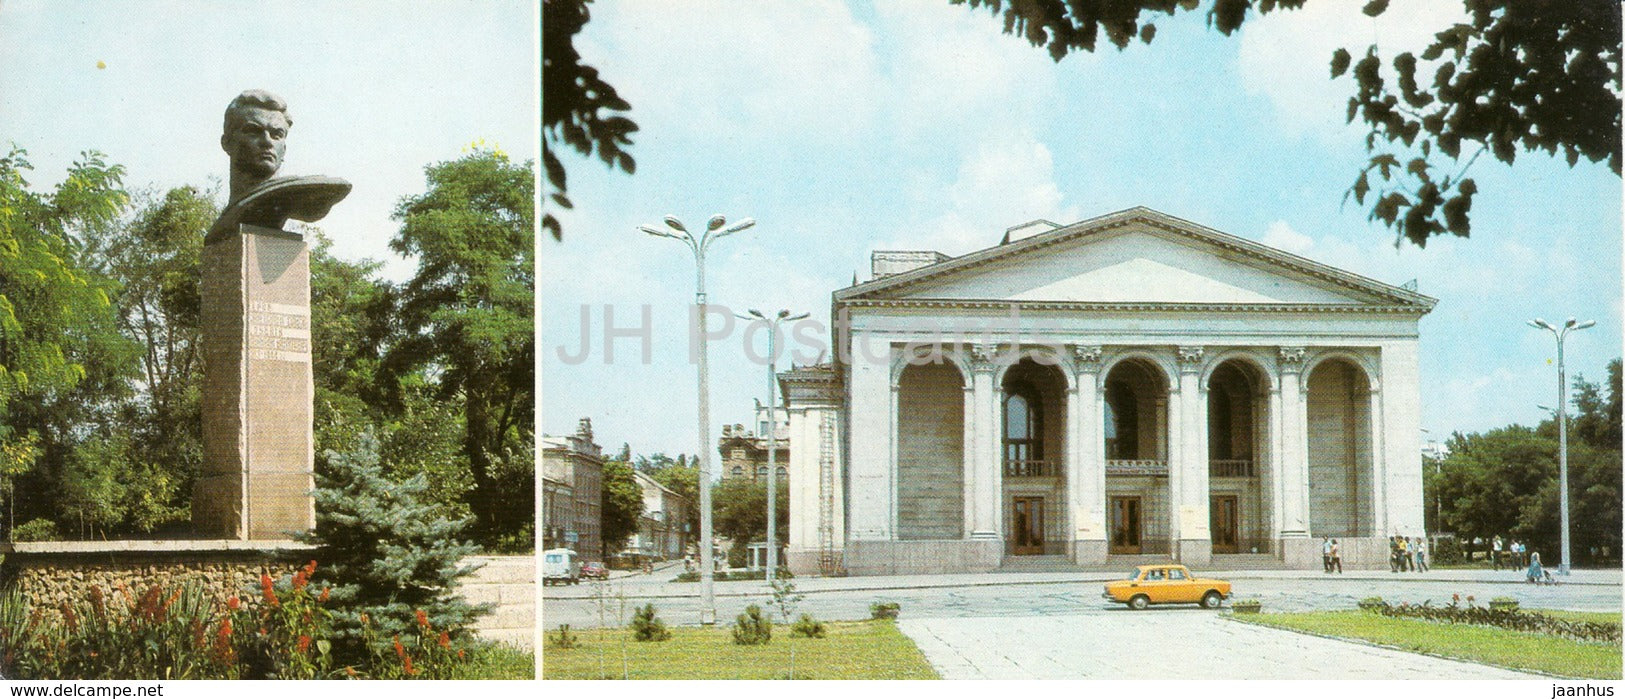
<point>1402,437</point>
<point>1379,469</point>
<point>873,469</point>
<point>1294,460</point>
<point>967,448</point>
<point>986,466</point>
<point>1188,471</point>
<point>1086,462</point>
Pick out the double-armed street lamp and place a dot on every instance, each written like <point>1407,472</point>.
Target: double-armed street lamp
<point>1562,430</point>
<point>714,230</point>
<point>772,429</point>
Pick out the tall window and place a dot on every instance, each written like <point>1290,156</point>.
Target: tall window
<point>1023,424</point>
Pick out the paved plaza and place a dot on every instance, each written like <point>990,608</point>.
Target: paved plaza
<point>1056,625</point>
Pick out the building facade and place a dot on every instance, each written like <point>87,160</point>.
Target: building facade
<point>576,461</point>
<point>558,513</point>
<point>1128,387</point>
<point>660,535</point>
<point>744,449</point>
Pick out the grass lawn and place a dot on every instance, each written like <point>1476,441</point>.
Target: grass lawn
<point>498,661</point>
<point>858,650</point>
<point>1594,617</point>
<point>1480,644</point>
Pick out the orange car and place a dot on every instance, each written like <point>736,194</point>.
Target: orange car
<point>1166,584</point>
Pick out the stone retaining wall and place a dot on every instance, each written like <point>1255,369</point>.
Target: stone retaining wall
<point>54,573</point>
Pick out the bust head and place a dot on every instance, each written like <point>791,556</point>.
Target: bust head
<point>254,137</point>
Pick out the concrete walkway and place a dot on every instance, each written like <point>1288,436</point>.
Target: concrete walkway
<point>1162,644</point>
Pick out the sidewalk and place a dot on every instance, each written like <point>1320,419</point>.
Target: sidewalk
<point>658,585</point>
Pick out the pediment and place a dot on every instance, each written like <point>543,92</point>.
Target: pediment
<point>1137,257</point>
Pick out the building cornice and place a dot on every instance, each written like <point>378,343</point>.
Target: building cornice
<point>1133,307</point>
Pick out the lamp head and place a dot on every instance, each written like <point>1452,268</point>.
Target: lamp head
<point>742,225</point>
<point>1539,323</point>
<point>716,222</point>
<point>756,314</point>
<point>1585,325</point>
<point>675,224</point>
<point>1569,323</point>
<point>797,316</point>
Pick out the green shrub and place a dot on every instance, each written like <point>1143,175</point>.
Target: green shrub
<point>389,557</point>
<point>564,638</point>
<point>1372,604</point>
<point>1246,606</point>
<point>1445,550</point>
<point>1510,619</point>
<point>36,530</point>
<point>752,628</point>
<point>807,627</point>
<point>1507,603</point>
<point>648,627</point>
<point>884,610</point>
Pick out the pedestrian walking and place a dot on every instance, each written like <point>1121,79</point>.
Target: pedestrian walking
<point>1420,548</point>
<point>1495,552</point>
<point>1393,554</point>
<point>1407,561</point>
<point>1326,554</point>
<point>1337,557</point>
<point>1534,573</point>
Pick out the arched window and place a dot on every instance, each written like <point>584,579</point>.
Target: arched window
<point>739,471</point>
<point>761,471</point>
<point>1023,424</point>
<point>783,472</point>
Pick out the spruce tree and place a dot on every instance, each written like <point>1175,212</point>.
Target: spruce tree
<point>385,553</point>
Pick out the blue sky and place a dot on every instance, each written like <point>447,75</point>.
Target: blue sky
<point>376,90</point>
<point>845,127</point>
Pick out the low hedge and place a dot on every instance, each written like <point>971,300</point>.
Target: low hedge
<point>1510,619</point>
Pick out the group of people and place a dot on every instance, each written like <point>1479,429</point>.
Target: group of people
<point>1331,555</point>
<point>1407,554</point>
<point>1516,555</point>
<point>1513,555</point>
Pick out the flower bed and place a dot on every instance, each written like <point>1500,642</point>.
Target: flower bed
<point>1505,618</point>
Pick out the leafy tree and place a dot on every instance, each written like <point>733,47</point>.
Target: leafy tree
<point>622,504</point>
<point>386,552</point>
<point>466,319</point>
<point>1515,75</point>
<point>578,107</point>
<point>682,476</point>
<point>739,507</point>
<point>62,360</point>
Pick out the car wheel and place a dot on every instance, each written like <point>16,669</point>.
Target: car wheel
<point>1139,602</point>
<point>1212,599</point>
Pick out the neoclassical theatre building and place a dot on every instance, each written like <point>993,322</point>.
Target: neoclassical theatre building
<point>1129,388</point>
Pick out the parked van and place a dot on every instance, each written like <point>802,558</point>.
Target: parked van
<point>559,566</point>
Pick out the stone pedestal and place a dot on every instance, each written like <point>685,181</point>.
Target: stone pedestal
<point>258,435</point>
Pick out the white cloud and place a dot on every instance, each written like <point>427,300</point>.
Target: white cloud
<point>1281,235</point>
<point>1004,183</point>
<point>1286,55</point>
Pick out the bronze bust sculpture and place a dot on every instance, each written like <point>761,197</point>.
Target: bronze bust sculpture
<point>255,136</point>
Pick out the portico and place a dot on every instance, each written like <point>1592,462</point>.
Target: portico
<point>1125,387</point>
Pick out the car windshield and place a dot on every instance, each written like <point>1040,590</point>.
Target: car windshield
<point>554,558</point>
<point>1133,574</point>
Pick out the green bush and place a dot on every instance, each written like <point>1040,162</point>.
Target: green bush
<point>36,530</point>
<point>1510,619</point>
<point>752,628</point>
<point>564,638</point>
<point>807,627</point>
<point>648,627</point>
<point>884,610</point>
<point>1372,604</point>
<point>723,575</point>
<point>1445,550</point>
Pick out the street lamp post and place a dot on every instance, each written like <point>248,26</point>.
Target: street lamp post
<point>1562,430</point>
<point>772,430</point>
<point>714,231</point>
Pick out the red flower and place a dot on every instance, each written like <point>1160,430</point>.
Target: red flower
<point>423,619</point>
<point>267,588</point>
<point>445,640</point>
<point>407,663</point>
<point>233,603</point>
<point>326,591</point>
<point>304,644</point>
<point>310,569</point>
<point>459,654</point>
<point>399,649</point>
<point>299,580</point>
<point>349,672</point>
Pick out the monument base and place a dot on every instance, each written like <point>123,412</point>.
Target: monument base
<point>258,389</point>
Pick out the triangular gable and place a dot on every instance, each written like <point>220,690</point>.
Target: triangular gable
<point>1138,256</point>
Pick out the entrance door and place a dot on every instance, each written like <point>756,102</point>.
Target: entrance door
<point>1224,524</point>
<point>1125,525</point>
<point>1027,526</point>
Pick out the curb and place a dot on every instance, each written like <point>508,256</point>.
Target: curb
<point>1374,644</point>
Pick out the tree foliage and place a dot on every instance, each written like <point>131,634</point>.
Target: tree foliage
<point>1505,481</point>
<point>466,317</point>
<point>1533,76</point>
<point>386,551</point>
<point>682,476</point>
<point>739,507</point>
<point>621,504</point>
<point>579,109</point>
